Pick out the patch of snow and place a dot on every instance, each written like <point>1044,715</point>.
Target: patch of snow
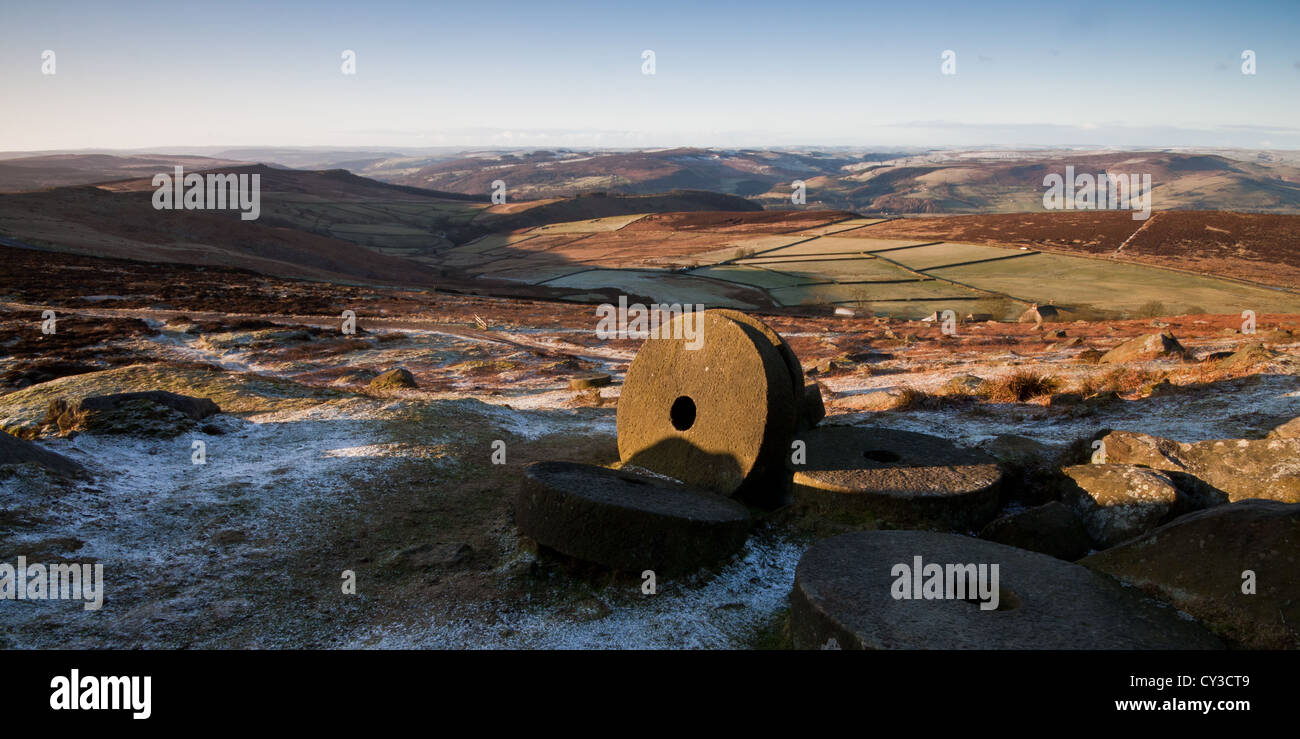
<point>721,612</point>
<point>1188,416</point>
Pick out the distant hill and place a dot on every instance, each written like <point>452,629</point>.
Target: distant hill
<point>23,174</point>
<point>330,183</point>
<point>1179,181</point>
<point>309,158</point>
<point>866,182</point>
<point>544,174</point>
<point>326,225</point>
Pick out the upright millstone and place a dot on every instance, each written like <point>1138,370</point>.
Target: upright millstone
<point>898,478</point>
<point>625,521</point>
<point>787,354</point>
<point>714,410</point>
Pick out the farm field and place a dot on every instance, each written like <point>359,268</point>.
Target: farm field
<point>692,246</point>
<point>1252,246</point>
<point>861,269</point>
<point>667,287</point>
<point>1117,286</point>
<point>836,245</point>
<point>751,275</point>
<point>839,294</point>
<point>932,256</point>
<point>756,222</point>
<point>679,258</point>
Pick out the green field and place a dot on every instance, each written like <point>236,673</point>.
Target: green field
<point>938,255</point>
<point>872,274</point>
<point>866,269</point>
<point>836,245</point>
<point>739,247</point>
<point>663,287</point>
<point>763,242</point>
<point>751,276</point>
<point>870,292</point>
<point>1117,286</point>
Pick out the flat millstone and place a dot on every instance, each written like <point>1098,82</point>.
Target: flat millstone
<point>742,407</point>
<point>626,521</point>
<point>844,590</point>
<point>901,478</point>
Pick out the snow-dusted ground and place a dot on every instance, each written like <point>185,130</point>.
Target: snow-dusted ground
<point>176,537</point>
<point>151,514</point>
<point>151,517</point>
<point>716,612</point>
<point>1229,410</point>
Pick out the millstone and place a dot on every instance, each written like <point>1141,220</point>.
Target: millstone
<point>845,590</point>
<point>900,478</point>
<point>778,342</point>
<point>626,521</point>
<point>712,417</point>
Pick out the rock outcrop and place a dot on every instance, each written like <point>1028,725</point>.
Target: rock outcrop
<point>398,378</point>
<point>1235,568</point>
<point>1146,348</point>
<point>1237,468</point>
<point>147,413</point>
<point>1117,502</point>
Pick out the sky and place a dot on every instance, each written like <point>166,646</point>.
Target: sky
<point>482,74</point>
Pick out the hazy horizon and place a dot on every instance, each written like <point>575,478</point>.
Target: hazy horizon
<point>414,151</point>
<point>131,75</point>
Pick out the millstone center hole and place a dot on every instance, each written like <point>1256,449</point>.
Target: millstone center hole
<point>881,455</point>
<point>682,413</point>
